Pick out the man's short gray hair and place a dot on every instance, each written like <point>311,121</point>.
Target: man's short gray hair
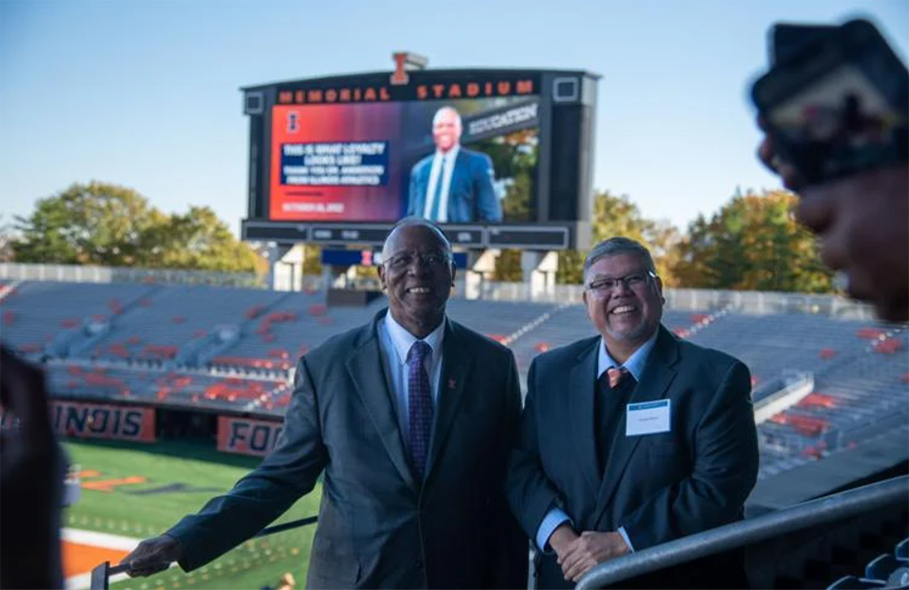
<point>615,246</point>
<point>419,221</point>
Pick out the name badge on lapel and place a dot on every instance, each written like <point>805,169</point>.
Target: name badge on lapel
<point>647,417</point>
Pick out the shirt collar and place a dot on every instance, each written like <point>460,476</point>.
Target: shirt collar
<point>403,340</point>
<point>450,154</point>
<point>634,364</point>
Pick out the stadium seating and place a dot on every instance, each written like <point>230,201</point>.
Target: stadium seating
<point>36,315</point>
<point>234,348</point>
<point>191,389</point>
<point>890,570</point>
<point>174,322</point>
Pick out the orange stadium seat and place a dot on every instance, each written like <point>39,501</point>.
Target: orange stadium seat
<point>806,425</point>
<point>888,346</point>
<point>870,333</point>
<point>254,311</point>
<point>818,399</point>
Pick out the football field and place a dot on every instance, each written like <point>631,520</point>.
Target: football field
<point>135,491</point>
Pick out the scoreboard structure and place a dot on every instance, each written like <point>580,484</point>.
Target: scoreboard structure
<point>338,160</point>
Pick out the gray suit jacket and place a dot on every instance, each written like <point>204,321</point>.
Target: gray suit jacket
<point>378,527</point>
<point>658,486</point>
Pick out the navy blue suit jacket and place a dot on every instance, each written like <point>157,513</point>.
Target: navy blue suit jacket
<point>471,197</point>
<point>659,487</point>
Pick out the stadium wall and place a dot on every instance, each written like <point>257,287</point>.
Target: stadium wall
<point>230,433</point>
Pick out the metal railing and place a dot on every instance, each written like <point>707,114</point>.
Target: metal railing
<point>102,573</point>
<point>757,302</point>
<point>748,532</point>
<point>73,273</point>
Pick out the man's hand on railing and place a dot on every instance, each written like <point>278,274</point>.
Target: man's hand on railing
<point>590,550</point>
<point>152,556</point>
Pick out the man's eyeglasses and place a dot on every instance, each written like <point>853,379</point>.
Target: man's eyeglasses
<point>609,284</point>
<point>430,259</point>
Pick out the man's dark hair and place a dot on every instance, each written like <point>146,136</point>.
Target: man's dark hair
<point>615,246</point>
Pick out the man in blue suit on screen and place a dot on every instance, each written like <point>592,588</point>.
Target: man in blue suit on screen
<point>454,184</point>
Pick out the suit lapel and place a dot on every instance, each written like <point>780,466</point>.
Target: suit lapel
<point>581,394</point>
<point>456,363</point>
<point>656,378</point>
<point>368,373</point>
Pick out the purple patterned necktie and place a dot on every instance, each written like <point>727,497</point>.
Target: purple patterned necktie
<point>420,402</point>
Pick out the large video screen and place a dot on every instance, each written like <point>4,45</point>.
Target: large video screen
<point>470,161</point>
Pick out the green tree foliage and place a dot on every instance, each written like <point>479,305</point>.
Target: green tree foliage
<point>618,216</point>
<point>752,243</point>
<point>7,237</point>
<point>514,159</point>
<point>312,260</point>
<point>508,266</point>
<point>110,225</point>
<point>199,240</point>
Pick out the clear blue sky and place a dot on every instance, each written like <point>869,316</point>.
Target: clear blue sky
<point>145,94</point>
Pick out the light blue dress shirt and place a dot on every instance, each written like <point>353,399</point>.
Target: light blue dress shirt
<point>635,365</point>
<point>395,342</point>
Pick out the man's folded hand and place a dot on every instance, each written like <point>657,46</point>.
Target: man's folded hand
<point>591,549</point>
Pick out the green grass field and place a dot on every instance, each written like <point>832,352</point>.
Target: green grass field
<point>253,565</point>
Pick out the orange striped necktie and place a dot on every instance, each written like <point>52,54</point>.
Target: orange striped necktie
<point>615,376</point>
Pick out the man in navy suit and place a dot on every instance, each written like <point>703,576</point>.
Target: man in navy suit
<point>454,184</point>
<point>632,438</point>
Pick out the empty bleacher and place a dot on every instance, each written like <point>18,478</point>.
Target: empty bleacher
<point>35,314</point>
<point>234,348</point>
<point>178,318</point>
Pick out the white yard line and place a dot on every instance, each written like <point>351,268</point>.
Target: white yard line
<point>96,539</point>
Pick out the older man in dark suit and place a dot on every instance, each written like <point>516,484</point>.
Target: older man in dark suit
<point>631,438</point>
<point>410,418</point>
